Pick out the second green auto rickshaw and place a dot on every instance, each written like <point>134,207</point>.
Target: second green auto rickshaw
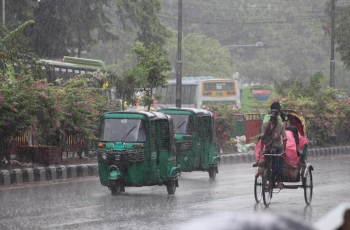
<point>195,139</point>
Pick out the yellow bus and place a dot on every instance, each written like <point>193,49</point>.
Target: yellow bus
<point>198,91</point>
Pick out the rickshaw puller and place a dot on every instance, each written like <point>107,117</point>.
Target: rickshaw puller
<point>272,131</point>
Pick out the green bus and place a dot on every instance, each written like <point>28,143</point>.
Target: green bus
<point>257,98</point>
<point>70,67</point>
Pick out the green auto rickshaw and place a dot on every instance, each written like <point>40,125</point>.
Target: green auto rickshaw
<point>137,149</point>
<point>195,139</point>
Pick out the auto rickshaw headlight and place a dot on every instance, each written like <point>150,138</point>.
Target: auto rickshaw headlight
<point>104,156</point>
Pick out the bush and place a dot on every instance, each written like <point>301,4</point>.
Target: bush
<point>326,110</point>
<point>225,119</point>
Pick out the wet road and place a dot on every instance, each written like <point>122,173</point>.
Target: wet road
<point>85,204</point>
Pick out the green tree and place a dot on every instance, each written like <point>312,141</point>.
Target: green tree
<point>143,15</point>
<point>48,112</point>
<point>342,31</point>
<point>201,56</point>
<point>225,120</point>
<point>326,110</point>
<point>151,69</point>
<point>16,99</point>
<point>12,44</point>
<point>294,42</point>
<point>69,27</point>
<point>18,11</point>
<point>296,88</point>
<point>126,86</point>
<point>80,106</point>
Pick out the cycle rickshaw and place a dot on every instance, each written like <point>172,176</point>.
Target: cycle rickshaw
<point>296,171</point>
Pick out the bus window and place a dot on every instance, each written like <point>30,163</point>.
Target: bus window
<point>213,86</point>
<point>188,94</point>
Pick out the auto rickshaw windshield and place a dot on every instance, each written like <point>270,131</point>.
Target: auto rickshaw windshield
<point>182,123</point>
<point>122,130</point>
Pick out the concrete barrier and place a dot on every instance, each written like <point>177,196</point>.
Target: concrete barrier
<point>310,153</point>
<point>17,176</point>
<point>39,174</point>
<point>238,158</point>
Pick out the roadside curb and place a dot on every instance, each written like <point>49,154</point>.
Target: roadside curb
<point>58,172</point>
<point>249,157</point>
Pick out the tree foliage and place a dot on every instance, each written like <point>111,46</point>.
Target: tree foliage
<point>225,120</point>
<point>143,15</point>
<point>126,86</point>
<point>47,112</point>
<point>18,11</point>
<point>50,112</point>
<point>341,32</point>
<point>291,32</point>
<point>151,69</point>
<point>11,45</point>
<point>201,56</point>
<point>326,110</point>
<point>68,27</point>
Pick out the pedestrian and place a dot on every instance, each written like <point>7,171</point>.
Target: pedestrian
<point>271,143</point>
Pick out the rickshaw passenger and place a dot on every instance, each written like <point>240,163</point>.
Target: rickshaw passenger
<point>272,131</point>
<point>291,157</point>
<point>295,132</point>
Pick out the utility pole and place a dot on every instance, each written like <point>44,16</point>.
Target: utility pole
<point>332,65</point>
<point>3,12</point>
<point>179,62</point>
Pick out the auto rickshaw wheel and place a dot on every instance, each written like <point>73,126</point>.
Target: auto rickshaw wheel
<point>171,187</point>
<point>212,173</point>
<point>115,187</point>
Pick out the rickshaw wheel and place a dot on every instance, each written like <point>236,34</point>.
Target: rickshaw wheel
<point>267,187</point>
<point>171,187</point>
<point>308,186</point>
<point>212,173</point>
<point>258,188</point>
<point>115,187</point>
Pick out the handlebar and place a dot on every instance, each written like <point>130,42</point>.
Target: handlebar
<point>274,155</point>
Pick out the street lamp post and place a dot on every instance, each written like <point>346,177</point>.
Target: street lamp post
<point>332,64</point>
<point>179,62</point>
<point>3,12</point>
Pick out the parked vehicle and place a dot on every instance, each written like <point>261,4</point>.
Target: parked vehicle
<point>137,149</point>
<point>195,139</point>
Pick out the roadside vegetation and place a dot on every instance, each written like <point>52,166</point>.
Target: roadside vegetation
<point>137,39</point>
<point>326,110</point>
